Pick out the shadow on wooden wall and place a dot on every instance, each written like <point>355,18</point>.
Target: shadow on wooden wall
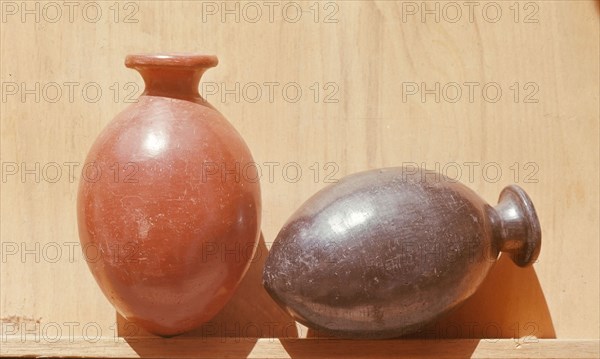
<point>510,303</point>
<point>250,314</point>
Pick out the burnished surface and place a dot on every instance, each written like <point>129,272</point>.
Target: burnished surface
<point>167,231</point>
<point>383,252</point>
<point>369,54</point>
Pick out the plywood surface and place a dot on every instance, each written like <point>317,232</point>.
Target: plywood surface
<point>307,348</point>
<point>491,93</point>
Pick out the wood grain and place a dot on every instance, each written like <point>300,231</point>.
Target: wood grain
<point>365,59</point>
<point>303,348</point>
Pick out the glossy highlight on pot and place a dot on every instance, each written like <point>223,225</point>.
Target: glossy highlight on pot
<point>157,218</point>
<point>384,252</point>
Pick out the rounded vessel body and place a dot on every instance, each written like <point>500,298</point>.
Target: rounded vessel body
<point>167,225</point>
<point>382,253</point>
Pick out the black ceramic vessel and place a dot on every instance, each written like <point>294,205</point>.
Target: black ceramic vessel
<point>384,252</point>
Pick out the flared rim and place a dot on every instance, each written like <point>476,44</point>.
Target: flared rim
<point>172,59</point>
<point>533,243</point>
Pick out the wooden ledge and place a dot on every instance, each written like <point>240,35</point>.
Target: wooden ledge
<point>106,347</point>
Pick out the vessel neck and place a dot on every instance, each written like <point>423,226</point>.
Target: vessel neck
<point>516,227</point>
<point>171,75</point>
<point>175,83</point>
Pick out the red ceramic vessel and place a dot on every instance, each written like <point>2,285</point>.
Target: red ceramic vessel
<point>168,209</point>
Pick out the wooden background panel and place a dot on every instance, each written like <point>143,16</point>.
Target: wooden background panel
<point>357,64</point>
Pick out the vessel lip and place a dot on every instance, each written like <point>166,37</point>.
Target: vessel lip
<point>533,242</point>
<point>171,59</point>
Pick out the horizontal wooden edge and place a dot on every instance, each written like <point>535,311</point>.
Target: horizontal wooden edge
<point>106,347</point>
